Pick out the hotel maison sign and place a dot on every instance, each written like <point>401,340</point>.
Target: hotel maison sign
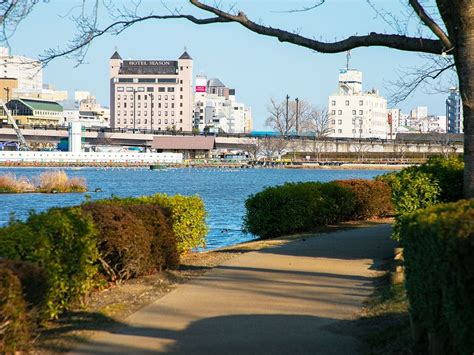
<point>149,67</point>
<point>149,63</point>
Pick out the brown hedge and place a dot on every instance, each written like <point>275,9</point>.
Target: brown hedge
<point>134,239</point>
<point>14,323</point>
<point>372,198</point>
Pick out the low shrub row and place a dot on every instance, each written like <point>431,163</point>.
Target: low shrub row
<point>58,256</point>
<point>439,265</point>
<point>303,207</point>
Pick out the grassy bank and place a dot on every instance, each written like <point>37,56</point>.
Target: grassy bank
<point>47,182</point>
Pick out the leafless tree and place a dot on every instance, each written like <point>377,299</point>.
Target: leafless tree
<point>317,122</point>
<point>254,148</point>
<point>278,120</point>
<point>445,29</point>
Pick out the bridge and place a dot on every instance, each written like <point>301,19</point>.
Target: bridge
<point>404,143</point>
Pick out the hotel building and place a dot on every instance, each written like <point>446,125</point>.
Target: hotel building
<point>151,94</point>
<point>354,113</point>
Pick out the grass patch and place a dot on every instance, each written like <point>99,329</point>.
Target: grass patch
<point>47,182</point>
<point>384,326</point>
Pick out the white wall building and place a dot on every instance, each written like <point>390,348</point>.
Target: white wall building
<point>28,71</point>
<point>151,94</point>
<point>216,109</point>
<point>354,113</point>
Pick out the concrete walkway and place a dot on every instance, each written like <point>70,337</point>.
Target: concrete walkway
<point>300,298</point>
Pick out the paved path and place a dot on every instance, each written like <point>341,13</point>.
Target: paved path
<point>294,299</point>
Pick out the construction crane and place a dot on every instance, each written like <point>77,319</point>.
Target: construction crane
<point>21,139</point>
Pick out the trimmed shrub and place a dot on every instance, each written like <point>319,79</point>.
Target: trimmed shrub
<point>439,260</point>
<point>372,198</point>
<point>14,324</point>
<point>296,207</point>
<point>188,217</point>
<point>62,241</point>
<point>34,282</point>
<point>133,239</point>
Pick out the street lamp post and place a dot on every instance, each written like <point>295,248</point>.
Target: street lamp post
<point>297,118</point>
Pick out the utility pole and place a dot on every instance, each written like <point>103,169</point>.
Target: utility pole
<point>297,117</point>
<point>286,121</point>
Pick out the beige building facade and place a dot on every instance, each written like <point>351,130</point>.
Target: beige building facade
<point>151,94</point>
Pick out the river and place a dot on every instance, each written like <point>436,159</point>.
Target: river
<point>223,190</point>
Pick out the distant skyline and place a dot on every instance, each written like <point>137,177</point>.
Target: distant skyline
<point>257,67</point>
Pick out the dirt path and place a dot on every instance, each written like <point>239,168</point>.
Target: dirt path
<point>297,298</point>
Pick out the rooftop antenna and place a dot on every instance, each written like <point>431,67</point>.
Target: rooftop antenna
<point>348,57</point>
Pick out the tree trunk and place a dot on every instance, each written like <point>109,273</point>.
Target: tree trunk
<point>458,15</point>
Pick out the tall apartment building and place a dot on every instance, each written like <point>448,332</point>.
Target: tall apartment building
<point>27,71</point>
<point>151,94</point>
<point>354,113</point>
<point>215,108</point>
<point>454,116</point>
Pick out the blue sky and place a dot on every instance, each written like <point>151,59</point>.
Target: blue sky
<point>257,67</point>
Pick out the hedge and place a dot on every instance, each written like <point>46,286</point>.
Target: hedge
<point>188,217</point>
<point>133,239</point>
<point>296,207</point>
<point>62,241</point>
<point>372,198</point>
<point>15,328</point>
<point>439,265</point>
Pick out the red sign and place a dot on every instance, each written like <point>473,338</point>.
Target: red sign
<point>200,88</point>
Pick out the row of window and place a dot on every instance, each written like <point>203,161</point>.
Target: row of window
<point>354,112</point>
<point>147,89</point>
<point>145,105</point>
<point>145,113</point>
<point>145,121</point>
<point>361,103</point>
<point>148,80</point>
<point>145,97</point>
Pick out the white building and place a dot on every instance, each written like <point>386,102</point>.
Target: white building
<point>28,71</point>
<point>86,111</point>
<point>354,113</point>
<point>419,113</point>
<point>216,109</point>
<point>151,94</point>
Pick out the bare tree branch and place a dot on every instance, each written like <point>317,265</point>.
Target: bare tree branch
<point>431,24</point>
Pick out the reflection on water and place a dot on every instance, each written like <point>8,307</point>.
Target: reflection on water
<point>223,191</point>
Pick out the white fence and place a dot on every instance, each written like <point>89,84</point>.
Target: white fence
<point>90,157</point>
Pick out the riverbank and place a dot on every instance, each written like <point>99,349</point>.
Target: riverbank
<point>223,165</point>
<point>110,308</point>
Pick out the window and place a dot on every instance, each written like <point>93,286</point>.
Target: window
<point>339,131</point>
<point>339,122</point>
<point>145,121</point>
<point>172,121</point>
<point>131,97</point>
<point>166,121</point>
<point>150,89</point>
<point>333,103</point>
<point>354,112</point>
<point>339,112</point>
<point>161,89</point>
<point>139,113</point>
<point>333,112</point>
<point>118,121</point>
<point>125,121</point>
<point>172,97</point>
<point>129,89</point>
<point>180,68</point>
<point>166,113</point>
<point>139,97</point>
<point>181,97</point>
<point>159,104</point>
<point>138,121</point>
<point>118,104</point>
<point>166,105</point>
<point>166,97</point>
<point>118,113</point>
<point>141,89</point>
<point>159,121</point>
<point>120,89</point>
<point>118,96</point>
<point>353,131</point>
<point>347,102</point>
<point>361,112</point>
<point>180,81</point>
<point>145,113</point>
<point>172,113</point>
<point>170,89</point>
<point>146,105</point>
<point>181,88</point>
<point>167,80</point>
<point>172,105</point>
<point>181,121</point>
<point>333,122</point>
<point>159,97</point>
<point>181,113</point>
<point>180,104</point>
<point>131,113</point>
<point>361,102</point>
<point>124,105</point>
<point>159,113</point>
<point>139,105</point>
